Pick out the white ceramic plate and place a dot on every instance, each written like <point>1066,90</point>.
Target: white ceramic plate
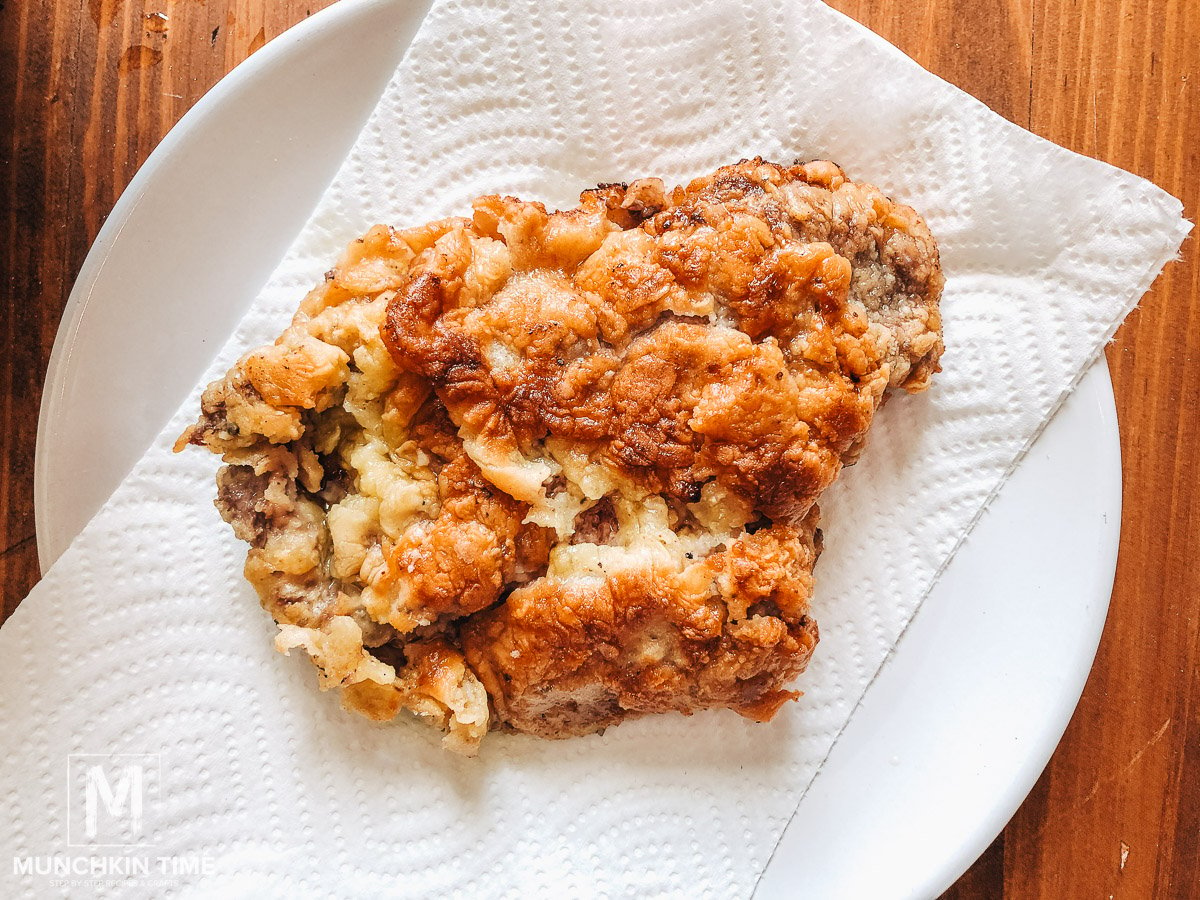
<point>961,720</point>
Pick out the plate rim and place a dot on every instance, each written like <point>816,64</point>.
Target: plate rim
<point>189,125</point>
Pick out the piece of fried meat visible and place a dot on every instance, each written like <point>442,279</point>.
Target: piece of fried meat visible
<point>545,471</point>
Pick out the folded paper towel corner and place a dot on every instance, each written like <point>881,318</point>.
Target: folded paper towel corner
<point>143,638</point>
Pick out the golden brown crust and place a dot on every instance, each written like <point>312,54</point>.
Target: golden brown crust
<point>723,336</point>
<point>567,655</point>
<point>547,471</point>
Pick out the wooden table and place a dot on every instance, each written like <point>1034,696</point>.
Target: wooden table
<point>89,87</point>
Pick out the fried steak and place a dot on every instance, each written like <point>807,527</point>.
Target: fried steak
<point>545,471</point>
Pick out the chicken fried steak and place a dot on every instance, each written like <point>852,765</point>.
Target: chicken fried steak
<point>547,471</point>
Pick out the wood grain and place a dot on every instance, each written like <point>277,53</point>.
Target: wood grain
<point>89,87</point>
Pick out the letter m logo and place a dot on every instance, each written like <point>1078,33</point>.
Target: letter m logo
<point>126,798</point>
<point>107,798</point>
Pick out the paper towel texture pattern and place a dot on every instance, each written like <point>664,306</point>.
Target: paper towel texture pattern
<point>143,638</point>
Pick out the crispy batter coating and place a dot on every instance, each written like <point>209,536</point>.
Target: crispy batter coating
<point>545,471</point>
<point>603,637</point>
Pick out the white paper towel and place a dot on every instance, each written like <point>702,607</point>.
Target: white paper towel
<point>143,639</point>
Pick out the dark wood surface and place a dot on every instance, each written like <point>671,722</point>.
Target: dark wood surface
<point>89,87</point>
